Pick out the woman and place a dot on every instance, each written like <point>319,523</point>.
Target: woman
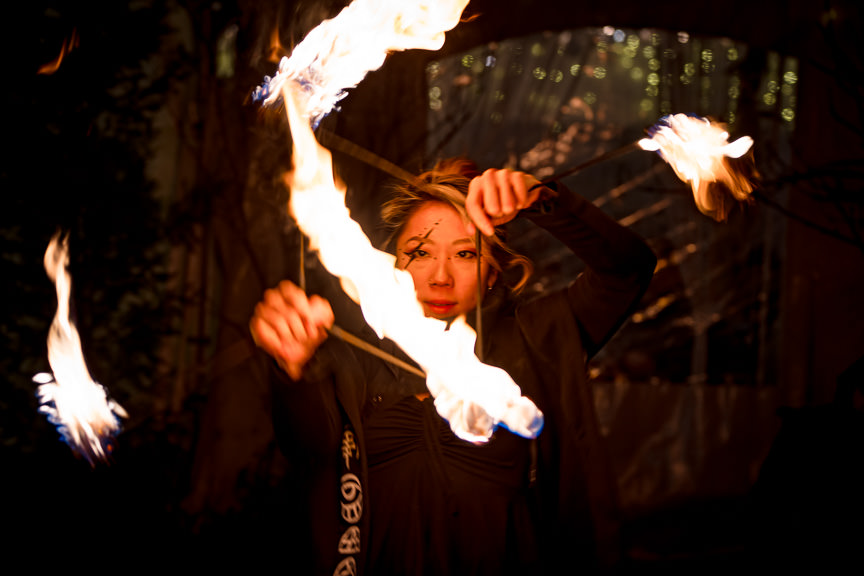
<point>391,489</point>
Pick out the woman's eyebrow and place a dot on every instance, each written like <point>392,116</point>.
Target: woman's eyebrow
<point>463,241</point>
<point>422,240</point>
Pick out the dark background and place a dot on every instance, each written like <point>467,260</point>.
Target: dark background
<point>144,145</point>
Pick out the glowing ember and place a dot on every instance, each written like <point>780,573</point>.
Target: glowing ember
<point>339,52</point>
<point>699,151</point>
<point>78,406</point>
<point>472,396</point>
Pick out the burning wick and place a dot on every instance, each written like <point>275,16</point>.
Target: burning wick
<point>699,152</point>
<point>85,418</point>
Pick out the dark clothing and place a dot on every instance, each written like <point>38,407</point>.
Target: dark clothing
<point>434,504</point>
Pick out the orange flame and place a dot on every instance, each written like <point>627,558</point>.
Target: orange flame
<point>68,44</point>
<point>276,50</point>
<point>699,152</point>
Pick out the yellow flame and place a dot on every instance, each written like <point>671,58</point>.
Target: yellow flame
<point>76,404</point>
<point>338,53</point>
<point>472,396</point>
<point>699,152</point>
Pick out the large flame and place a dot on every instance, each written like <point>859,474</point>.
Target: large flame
<point>700,153</point>
<point>472,396</point>
<point>338,53</point>
<point>86,419</point>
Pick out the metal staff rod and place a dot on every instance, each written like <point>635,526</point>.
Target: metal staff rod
<point>617,152</point>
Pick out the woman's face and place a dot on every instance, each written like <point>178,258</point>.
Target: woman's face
<point>437,250</point>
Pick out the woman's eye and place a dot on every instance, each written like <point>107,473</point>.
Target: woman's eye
<point>466,254</point>
<point>416,253</point>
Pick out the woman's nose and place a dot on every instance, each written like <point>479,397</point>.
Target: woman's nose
<point>441,275</point>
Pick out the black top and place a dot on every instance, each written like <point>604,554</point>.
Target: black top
<point>443,505</point>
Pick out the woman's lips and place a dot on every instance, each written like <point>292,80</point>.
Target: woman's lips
<point>439,307</point>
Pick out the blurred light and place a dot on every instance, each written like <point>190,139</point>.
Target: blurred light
<point>226,52</point>
<point>496,117</point>
<point>435,92</point>
<point>600,72</point>
<point>646,105</point>
<point>683,37</point>
<point>732,54</point>
<point>574,70</point>
<point>637,74</point>
<point>619,36</point>
<point>734,92</point>
<point>590,98</point>
<point>556,76</point>
<point>707,55</point>
<point>516,68</point>
<point>468,60</point>
<point>689,69</point>
<point>539,73</point>
<point>654,64</point>
<point>769,99</point>
<point>652,90</point>
<point>773,87</point>
<point>433,69</point>
<point>790,77</point>
<point>649,52</point>
<point>537,49</point>
<point>490,61</point>
<point>788,114</point>
<point>653,79</point>
<point>608,30</point>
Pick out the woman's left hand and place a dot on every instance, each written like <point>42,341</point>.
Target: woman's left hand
<point>496,196</point>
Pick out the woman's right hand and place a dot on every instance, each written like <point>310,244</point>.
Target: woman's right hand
<point>290,326</point>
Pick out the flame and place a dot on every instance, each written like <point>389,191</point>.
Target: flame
<point>700,153</point>
<point>276,51</point>
<point>54,65</point>
<point>72,401</point>
<point>339,52</point>
<point>472,396</point>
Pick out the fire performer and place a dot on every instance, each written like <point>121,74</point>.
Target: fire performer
<point>390,489</point>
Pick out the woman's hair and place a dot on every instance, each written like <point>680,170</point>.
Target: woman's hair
<point>448,183</point>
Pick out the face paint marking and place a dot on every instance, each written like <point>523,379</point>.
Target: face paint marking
<point>413,253</point>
